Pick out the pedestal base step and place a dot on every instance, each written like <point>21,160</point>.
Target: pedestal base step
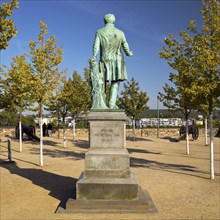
<point>106,188</point>
<point>144,204</point>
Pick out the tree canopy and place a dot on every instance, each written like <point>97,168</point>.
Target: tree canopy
<point>132,100</point>
<point>7,28</point>
<point>196,61</point>
<point>17,84</point>
<point>81,95</point>
<point>46,57</point>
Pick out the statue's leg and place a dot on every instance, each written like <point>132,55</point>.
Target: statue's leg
<point>113,95</point>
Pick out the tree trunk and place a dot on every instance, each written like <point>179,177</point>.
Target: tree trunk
<point>133,122</point>
<point>41,141</point>
<point>64,132</point>
<point>58,124</point>
<point>206,133</point>
<point>187,137</point>
<point>64,135</point>
<point>212,172</point>
<point>20,133</point>
<point>74,130</point>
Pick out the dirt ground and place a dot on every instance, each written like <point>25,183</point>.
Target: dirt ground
<point>179,185</point>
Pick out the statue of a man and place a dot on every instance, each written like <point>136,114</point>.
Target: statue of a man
<point>109,41</point>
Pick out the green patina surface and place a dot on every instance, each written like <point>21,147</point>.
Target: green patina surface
<point>109,42</point>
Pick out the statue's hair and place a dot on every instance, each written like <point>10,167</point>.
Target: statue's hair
<point>109,18</point>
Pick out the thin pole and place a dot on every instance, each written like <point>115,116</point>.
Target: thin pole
<point>212,172</point>
<point>9,150</point>
<point>206,135</point>
<point>58,117</point>
<point>158,117</point>
<point>20,131</point>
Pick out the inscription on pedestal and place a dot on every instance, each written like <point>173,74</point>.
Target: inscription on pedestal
<point>108,134</point>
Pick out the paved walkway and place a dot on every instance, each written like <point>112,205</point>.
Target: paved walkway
<point>178,184</point>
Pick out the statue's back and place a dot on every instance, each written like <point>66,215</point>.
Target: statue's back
<point>111,39</point>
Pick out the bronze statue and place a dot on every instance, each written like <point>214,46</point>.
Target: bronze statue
<point>109,42</point>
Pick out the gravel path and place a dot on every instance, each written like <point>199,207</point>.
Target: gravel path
<point>178,184</point>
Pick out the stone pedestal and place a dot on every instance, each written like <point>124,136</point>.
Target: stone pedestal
<point>107,174</point>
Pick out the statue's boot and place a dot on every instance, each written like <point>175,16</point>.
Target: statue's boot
<point>113,95</point>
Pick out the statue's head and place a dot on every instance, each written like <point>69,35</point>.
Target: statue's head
<point>109,18</point>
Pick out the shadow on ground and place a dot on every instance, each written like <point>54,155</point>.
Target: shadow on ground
<point>139,162</point>
<point>133,150</point>
<point>168,167</point>
<point>170,139</point>
<point>82,144</point>
<point>2,146</point>
<point>45,142</point>
<point>13,138</point>
<point>56,184</point>
<point>51,143</point>
<point>137,139</point>
<point>57,153</point>
<point>175,139</point>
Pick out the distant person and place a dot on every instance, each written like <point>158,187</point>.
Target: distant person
<point>44,129</point>
<point>218,133</point>
<point>49,129</point>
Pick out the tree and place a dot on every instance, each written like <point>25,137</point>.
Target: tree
<point>203,108</point>
<point>81,99</point>
<point>181,95</point>
<point>207,62</point>
<point>64,101</point>
<point>46,57</point>
<point>28,120</point>
<point>17,86</point>
<point>7,29</point>
<point>197,60</point>
<point>61,103</point>
<point>88,88</point>
<point>8,118</point>
<point>5,100</point>
<point>81,95</point>
<point>133,101</point>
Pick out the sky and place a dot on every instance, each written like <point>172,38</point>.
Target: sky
<point>74,23</point>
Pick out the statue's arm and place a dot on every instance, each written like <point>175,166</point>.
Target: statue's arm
<point>96,46</point>
<point>125,46</point>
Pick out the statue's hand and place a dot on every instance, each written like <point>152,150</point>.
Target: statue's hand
<point>130,53</point>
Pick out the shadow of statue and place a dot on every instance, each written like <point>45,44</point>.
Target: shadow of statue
<point>57,185</point>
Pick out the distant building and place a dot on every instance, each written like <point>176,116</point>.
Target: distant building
<point>45,120</point>
<point>163,122</point>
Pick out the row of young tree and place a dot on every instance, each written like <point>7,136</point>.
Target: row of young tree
<point>34,81</point>
<point>25,83</point>
<point>195,57</point>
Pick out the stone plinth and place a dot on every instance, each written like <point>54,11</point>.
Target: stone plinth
<point>107,163</point>
<point>96,188</point>
<point>107,174</point>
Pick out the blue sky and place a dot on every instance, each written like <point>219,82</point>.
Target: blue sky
<point>145,23</point>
